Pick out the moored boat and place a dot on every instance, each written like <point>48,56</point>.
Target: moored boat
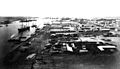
<point>24,29</point>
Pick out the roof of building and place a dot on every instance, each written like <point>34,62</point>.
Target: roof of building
<point>88,39</point>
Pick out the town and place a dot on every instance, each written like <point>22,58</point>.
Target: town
<point>62,43</point>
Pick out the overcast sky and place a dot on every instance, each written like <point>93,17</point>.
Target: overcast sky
<point>60,8</point>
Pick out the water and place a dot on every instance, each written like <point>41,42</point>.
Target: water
<point>5,33</point>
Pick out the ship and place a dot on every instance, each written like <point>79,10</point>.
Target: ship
<point>23,28</point>
<point>18,38</point>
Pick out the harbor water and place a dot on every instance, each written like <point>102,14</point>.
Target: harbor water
<point>6,31</point>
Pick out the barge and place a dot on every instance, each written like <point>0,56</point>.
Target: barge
<point>17,38</point>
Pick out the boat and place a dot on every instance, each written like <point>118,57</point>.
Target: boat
<point>18,38</point>
<point>13,37</point>
<point>24,29</point>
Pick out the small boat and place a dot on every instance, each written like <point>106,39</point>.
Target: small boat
<point>31,56</point>
<point>14,37</point>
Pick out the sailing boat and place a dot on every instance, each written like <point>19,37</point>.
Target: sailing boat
<point>23,28</point>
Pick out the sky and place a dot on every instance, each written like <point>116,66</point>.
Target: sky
<point>60,8</point>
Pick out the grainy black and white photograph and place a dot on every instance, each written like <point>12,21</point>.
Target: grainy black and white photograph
<point>59,34</point>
